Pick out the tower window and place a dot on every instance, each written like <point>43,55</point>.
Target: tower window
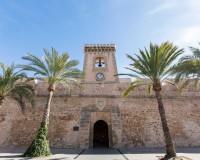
<point>99,62</point>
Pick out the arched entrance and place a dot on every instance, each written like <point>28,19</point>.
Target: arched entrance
<point>100,134</point>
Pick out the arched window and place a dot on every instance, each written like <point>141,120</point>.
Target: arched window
<point>99,62</point>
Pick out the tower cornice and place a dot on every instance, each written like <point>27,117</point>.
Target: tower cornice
<point>99,48</point>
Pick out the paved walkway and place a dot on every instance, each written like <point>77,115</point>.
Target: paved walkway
<point>103,154</point>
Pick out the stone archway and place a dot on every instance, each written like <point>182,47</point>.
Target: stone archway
<point>100,134</point>
<point>90,115</point>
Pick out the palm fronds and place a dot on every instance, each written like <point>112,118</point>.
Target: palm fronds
<point>14,84</point>
<point>188,69</point>
<point>152,66</point>
<point>54,67</point>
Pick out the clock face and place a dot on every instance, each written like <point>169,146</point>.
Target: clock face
<point>100,76</point>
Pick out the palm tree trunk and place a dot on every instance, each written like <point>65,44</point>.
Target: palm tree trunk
<point>47,109</point>
<point>170,152</point>
<point>1,100</point>
<point>40,145</point>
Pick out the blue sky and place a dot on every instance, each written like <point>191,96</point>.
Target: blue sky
<point>31,25</point>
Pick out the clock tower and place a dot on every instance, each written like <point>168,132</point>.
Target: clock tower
<point>100,63</point>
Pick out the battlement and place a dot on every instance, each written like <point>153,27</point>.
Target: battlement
<point>99,48</point>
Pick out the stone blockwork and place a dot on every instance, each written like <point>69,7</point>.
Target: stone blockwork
<point>132,121</point>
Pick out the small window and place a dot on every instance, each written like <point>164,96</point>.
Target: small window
<point>75,128</point>
<point>99,62</point>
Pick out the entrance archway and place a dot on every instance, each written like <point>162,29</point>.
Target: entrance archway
<point>100,134</point>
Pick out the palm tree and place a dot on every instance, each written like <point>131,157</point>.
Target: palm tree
<point>151,68</point>
<point>188,69</point>
<point>55,69</point>
<point>14,85</point>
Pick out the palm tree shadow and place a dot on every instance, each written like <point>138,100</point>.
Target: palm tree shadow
<point>64,158</point>
<point>11,157</point>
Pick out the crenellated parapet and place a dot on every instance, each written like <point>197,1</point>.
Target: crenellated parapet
<point>99,48</point>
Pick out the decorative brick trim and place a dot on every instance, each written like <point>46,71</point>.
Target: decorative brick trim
<point>99,48</point>
<point>120,96</point>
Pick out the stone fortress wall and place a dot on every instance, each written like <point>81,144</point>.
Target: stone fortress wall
<point>132,121</point>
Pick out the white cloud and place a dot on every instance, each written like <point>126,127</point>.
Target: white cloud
<point>192,5</point>
<point>188,36</point>
<point>167,5</point>
<point>184,27</point>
